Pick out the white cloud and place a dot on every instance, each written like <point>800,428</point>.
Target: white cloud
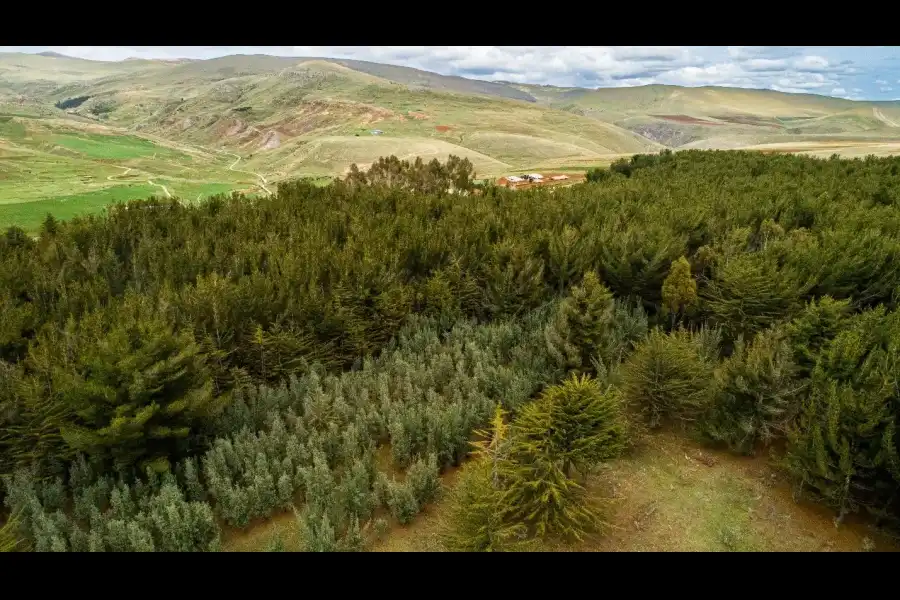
<point>838,91</point>
<point>881,82</point>
<point>811,63</point>
<point>765,64</point>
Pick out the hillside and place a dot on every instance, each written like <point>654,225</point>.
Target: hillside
<point>283,118</point>
<point>714,117</point>
<point>263,103</point>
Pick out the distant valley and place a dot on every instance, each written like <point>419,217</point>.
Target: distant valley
<point>78,134</point>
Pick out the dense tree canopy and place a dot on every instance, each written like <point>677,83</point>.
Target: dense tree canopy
<point>250,350</point>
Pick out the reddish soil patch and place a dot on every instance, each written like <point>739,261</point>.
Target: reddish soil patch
<point>685,119</point>
<point>442,128</point>
<point>749,120</point>
<point>321,115</point>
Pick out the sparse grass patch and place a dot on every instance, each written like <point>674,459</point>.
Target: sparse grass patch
<point>672,494</point>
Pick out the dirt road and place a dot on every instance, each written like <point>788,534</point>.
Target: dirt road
<point>880,116</point>
<point>113,177</point>
<point>164,189</point>
<point>262,179</point>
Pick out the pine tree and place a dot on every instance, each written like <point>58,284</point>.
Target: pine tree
<point>353,539</point>
<point>749,294</point>
<point>575,423</point>
<point>9,535</point>
<point>819,322</point>
<point>423,479</point>
<point>317,532</point>
<point>50,226</point>
<point>401,501</point>
<point>844,450</point>
<point>476,521</point>
<point>844,447</point>
<point>758,393</point>
<point>668,377</point>
<point>137,389</point>
<point>192,480</point>
<point>582,323</point>
<point>679,290</point>
<point>538,494</point>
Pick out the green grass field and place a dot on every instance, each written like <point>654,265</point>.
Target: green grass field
<point>29,215</point>
<point>71,169</point>
<point>107,147</point>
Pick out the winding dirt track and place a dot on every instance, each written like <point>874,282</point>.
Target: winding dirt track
<point>237,159</point>
<point>880,116</point>
<point>164,189</point>
<point>113,177</point>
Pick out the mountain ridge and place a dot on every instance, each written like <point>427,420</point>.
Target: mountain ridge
<point>315,115</point>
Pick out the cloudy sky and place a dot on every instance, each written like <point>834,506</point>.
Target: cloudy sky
<point>871,73</point>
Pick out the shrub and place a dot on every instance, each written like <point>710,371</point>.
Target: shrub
<point>679,290</point>
<point>668,376</point>
<point>582,324</point>
<point>475,520</point>
<point>423,480</point>
<point>817,324</point>
<point>276,544</point>
<point>144,517</point>
<point>844,447</point>
<point>758,393</point>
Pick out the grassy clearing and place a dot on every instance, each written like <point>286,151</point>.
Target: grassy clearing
<point>671,494</point>
<point>110,147</point>
<point>190,190</point>
<point>52,169</point>
<point>29,215</point>
<point>331,155</point>
<point>10,128</point>
<point>28,176</point>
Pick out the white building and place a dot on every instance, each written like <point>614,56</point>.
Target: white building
<point>514,179</point>
<point>535,176</point>
<point>559,177</point>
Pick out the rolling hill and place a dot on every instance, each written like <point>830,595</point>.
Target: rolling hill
<point>288,117</point>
